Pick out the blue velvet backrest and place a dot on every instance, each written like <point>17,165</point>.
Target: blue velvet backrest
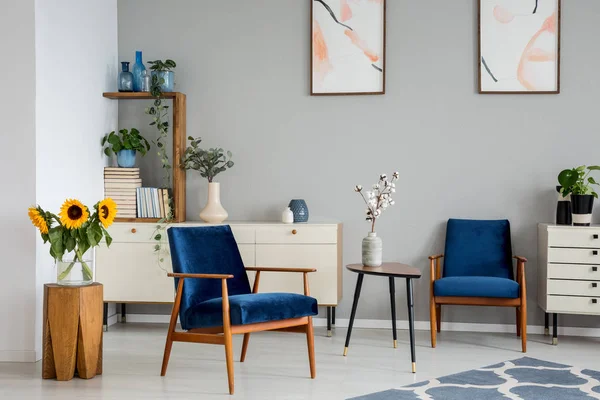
<point>478,248</point>
<point>206,250</point>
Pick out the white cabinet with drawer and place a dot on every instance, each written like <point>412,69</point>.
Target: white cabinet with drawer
<point>131,273</point>
<point>569,270</point>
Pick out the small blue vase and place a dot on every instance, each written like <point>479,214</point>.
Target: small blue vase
<point>137,70</point>
<point>300,210</point>
<point>125,78</point>
<point>168,80</point>
<point>126,158</point>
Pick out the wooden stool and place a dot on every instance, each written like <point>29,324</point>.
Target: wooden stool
<point>72,331</point>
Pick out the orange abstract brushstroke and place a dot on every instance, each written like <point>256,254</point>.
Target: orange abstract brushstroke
<point>535,54</point>
<point>345,11</point>
<point>321,64</point>
<point>361,44</point>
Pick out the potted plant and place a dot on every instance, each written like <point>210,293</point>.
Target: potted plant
<point>162,76</point>
<point>578,183</point>
<point>74,231</point>
<point>209,163</point>
<point>377,200</point>
<point>125,144</point>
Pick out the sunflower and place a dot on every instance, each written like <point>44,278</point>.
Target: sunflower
<point>107,211</point>
<point>37,218</point>
<point>73,214</point>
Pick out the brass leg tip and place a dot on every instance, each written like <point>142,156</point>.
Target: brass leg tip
<point>414,368</point>
<point>554,341</point>
<point>105,328</point>
<point>329,333</point>
<point>395,344</point>
<point>546,331</point>
<point>345,351</point>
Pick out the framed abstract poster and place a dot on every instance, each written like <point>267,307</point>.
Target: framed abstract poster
<point>347,47</point>
<point>519,46</point>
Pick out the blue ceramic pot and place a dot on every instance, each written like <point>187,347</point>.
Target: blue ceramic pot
<point>168,80</point>
<point>126,158</point>
<point>300,210</point>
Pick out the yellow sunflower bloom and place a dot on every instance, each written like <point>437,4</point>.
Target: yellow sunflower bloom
<point>107,211</point>
<point>38,220</point>
<point>73,214</point>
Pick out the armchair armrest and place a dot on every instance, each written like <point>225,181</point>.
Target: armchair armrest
<point>204,276</point>
<point>521,259</point>
<point>436,256</point>
<point>281,269</point>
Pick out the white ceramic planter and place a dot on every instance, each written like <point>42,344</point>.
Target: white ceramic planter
<point>214,212</point>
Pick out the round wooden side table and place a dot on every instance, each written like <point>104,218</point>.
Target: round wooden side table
<point>72,337</point>
<point>391,270</point>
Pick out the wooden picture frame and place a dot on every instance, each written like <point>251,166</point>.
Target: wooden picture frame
<point>358,49</point>
<point>543,28</point>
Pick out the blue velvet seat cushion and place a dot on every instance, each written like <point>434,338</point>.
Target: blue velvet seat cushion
<point>250,309</point>
<point>476,286</point>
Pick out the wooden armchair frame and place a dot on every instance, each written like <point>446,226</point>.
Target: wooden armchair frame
<point>436,302</point>
<point>223,334</point>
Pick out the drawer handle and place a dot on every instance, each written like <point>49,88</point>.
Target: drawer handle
<point>294,232</point>
<point>594,269</point>
<point>594,301</point>
<point>595,236</point>
<point>133,230</point>
<point>594,285</point>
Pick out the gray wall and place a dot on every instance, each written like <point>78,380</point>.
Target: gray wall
<point>245,66</point>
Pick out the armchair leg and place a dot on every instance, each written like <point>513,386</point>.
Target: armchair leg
<point>439,318</point>
<point>433,321</point>
<point>523,313</point>
<point>518,321</point>
<point>229,359</point>
<point>310,339</point>
<point>245,346</point>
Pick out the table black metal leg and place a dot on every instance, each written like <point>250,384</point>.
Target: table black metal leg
<point>105,318</point>
<point>328,321</point>
<point>123,313</point>
<point>393,303</point>
<point>546,324</point>
<point>353,313</point>
<point>411,322</point>
<point>332,315</point>
<point>555,329</point>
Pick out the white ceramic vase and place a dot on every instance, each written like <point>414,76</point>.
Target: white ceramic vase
<point>372,250</point>
<point>214,212</point>
<point>287,217</point>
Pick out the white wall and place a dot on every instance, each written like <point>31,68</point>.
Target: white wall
<point>76,60</point>
<point>17,237</point>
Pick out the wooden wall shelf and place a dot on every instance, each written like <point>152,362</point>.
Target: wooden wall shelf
<point>179,139</point>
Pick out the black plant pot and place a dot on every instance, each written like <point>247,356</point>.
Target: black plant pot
<point>563,209</point>
<point>582,205</point>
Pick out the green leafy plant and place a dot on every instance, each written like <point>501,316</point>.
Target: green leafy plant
<point>578,181</point>
<point>159,65</point>
<point>209,162</point>
<point>125,140</point>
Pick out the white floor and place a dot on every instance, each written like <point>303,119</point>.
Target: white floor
<point>276,366</point>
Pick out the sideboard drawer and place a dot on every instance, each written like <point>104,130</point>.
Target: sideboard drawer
<point>573,304</point>
<point>573,256</point>
<point>585,237</point>
<point>296,234</point>
<point>145,232</point>
<point>573,288</point>
<point>574,271</point>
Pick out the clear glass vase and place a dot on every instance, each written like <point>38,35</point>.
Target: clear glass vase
<point>74,273</point>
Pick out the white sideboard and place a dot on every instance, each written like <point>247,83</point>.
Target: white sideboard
<point>569,270</point>
<point>131,273</point>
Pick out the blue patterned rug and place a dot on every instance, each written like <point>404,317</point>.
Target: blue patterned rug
<point>525,378</point>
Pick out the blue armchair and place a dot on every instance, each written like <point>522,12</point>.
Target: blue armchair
<point>478,271</point>
<point>215,302</point>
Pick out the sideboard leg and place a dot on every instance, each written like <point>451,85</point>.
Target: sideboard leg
<point>555,329</point>
<point>546,324</point>
<point>123,313</point>
<point>105,318</point>
<point>328,321</point>
<point>333,316</point>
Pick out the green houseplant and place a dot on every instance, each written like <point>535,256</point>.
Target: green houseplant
<point>125,145</point>
<point>162,75</point>
<point>209,163</point>
<point>579,184</point>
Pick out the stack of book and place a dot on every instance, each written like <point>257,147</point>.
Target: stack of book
<point>153,203</point>
<point>120,184</point>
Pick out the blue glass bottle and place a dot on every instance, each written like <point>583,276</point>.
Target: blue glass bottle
<point>137,70</point>
<point>125,78</point>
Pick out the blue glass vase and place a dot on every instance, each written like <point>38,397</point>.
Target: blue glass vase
<point>126,158</point>
<point>137,70</point>
<point>300,210</point>
<point>125,78</point>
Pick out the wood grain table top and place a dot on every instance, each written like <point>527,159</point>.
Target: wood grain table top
<point>387,269</point>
